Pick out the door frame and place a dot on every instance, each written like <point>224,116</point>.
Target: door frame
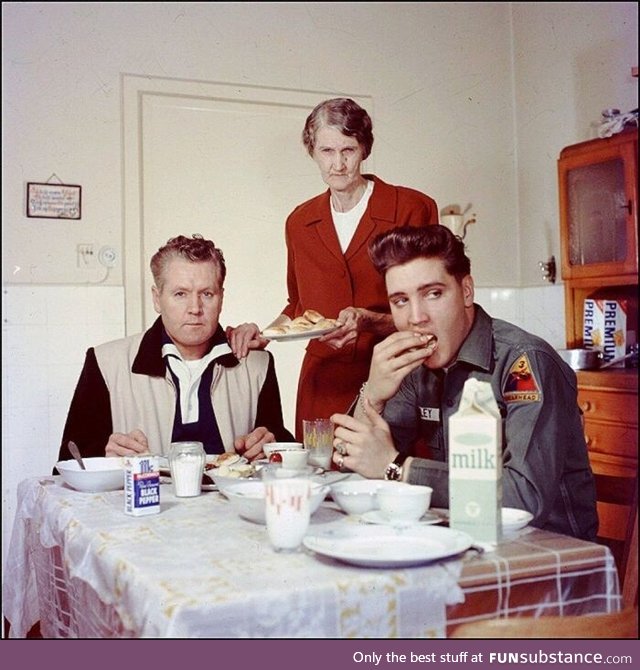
<point>134,90</point>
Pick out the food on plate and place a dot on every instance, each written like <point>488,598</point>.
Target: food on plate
<point>300,326</point>
<point>236,470</point>
<point>313,316</point>
<point>274,330</point>
<point>226,459</point>
<point>325,323</point>
<point>308,322</point>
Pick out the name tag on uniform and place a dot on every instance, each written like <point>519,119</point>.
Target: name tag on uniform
<point>430,413</point>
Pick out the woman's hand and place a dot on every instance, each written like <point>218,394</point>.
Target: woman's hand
<point>350,322</point>
<point>244,337</point>
<point>354,320</point>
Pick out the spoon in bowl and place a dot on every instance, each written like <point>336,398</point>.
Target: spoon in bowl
<point>75,452</point>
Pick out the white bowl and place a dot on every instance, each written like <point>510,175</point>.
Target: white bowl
<point>102,474</point>
<point>270,447</point>
<point>224,482</point>
<point>356,497</point>
<point>514,519</point>
<point>247,498</point>
<point>399,501</point>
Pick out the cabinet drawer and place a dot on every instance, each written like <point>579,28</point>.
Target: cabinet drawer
<point>611,439</point>
<point>608,406</point>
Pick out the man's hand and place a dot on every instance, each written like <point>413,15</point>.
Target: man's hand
<point>130,444</point>
<point>392,360</point>
<point>244,337</point>
<point>250,446</point>
<point>364,447</point>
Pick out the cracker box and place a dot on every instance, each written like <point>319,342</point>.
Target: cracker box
<point>605,327</point>
<point>475,464</point>
<point>141,485</point>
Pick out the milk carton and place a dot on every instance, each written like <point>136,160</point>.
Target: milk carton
<point>475,464</point>
<point>605,327</point>
<point>141,485</point>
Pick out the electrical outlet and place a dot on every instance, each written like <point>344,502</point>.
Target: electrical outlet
<point>86,256</point>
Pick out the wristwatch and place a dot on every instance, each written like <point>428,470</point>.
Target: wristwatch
<point>393,472</point>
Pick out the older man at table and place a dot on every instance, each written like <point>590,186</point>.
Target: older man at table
<point>179,380</point>
<point>413,388</point>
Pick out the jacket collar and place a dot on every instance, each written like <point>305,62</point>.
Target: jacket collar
<point>382,207</point>
<point>149,360</point>
<point>477,349</point>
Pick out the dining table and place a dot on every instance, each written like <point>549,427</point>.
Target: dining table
<point>82,568</point>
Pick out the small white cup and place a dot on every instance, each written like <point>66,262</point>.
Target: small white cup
<point>294,459</point>
<point>399,501</point>
<point>287,512</point>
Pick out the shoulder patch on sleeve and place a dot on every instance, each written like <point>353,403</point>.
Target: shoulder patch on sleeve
<point>521,384</point>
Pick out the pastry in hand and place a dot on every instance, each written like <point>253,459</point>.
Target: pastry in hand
<point>430,344</point>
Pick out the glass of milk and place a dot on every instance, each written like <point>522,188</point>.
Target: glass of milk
<point>186,461</point>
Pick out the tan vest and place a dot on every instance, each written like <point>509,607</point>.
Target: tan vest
<point>149,403</point>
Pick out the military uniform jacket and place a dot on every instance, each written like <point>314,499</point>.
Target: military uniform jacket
<point>545,461</point>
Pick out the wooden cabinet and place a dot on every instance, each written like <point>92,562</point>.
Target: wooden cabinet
<point>598,231</point>
<point>597,183</point>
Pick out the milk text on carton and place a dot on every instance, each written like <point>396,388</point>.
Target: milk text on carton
<point>475,459</point>
<point>141,485</point>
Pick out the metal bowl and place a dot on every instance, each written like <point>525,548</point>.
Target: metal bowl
<point>582,359</point>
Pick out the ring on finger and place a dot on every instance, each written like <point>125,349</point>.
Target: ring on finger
<point>341,462</point>
<point>342,448</point>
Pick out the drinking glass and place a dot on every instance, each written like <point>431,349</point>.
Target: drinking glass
<point>287,511</point>
<point>186,460</point>
<point>318,440</point>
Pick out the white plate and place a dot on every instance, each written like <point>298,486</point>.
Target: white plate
<point>514,519</point>
<point>305,335</point>
<point>387,547</point>
<point>203,487</point>
<point>375,516</point>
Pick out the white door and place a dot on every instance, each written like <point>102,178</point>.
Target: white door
<point>226,161</point>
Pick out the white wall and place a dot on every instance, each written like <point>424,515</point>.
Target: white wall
<point>472,104</point>
<point>571,61</point>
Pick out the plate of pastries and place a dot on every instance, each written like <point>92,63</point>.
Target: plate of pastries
<point>309,325</point>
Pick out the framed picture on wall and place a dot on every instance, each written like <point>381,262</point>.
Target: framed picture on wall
<point>54,201</point>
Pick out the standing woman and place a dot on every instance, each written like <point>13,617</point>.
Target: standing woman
<point>328,267</point>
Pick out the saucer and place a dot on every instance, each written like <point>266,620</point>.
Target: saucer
<point>375,516</point>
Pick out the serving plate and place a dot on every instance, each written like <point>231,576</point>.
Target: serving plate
<point>304,335</point>
<point>373,546</point>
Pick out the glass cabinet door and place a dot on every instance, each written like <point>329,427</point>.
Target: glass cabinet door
<point>597,213</point>
<point>597,192</point>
